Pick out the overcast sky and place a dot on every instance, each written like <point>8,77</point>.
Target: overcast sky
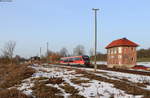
<point>67,23</point>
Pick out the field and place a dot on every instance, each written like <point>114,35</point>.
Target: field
<point>58,81</point>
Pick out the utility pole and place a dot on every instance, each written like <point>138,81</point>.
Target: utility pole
<point>95,29</point>
<point>47,50</point>
<point>40,52</point>
<point>47,47</point>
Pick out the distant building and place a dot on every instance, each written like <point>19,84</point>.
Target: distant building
<point>121,53</point>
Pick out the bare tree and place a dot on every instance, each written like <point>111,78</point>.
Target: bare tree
<point>50,53</point>
<point>52,57</point>
<point>64,52</point>
<point>8,50</point>
<point>79,50</point>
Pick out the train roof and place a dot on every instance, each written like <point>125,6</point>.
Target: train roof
<point>76,56</point>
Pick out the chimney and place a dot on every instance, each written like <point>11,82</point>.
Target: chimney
<point>124,38</point>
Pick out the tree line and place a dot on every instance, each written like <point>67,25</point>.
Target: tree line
<point>7,54</point>
<point>143,54</point>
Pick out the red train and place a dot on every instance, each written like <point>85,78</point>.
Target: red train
<point>75,60</point>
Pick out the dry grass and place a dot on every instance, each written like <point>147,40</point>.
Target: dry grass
<point>13,93</point>
<point>52,80</point>
<point>71,90</point>
<point>39,78</point>
<point>79,71</point>
<point>11,75</point>
<point>79,81</point>
<point>43,70</point>
<point>40,90</point>
<point>55,80</point>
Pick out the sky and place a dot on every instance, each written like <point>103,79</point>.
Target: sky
<point>68,23</point>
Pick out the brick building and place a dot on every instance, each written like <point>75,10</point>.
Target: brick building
<point>121,53</point>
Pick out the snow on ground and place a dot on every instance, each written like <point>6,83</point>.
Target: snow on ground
<point>103,90</point>
<point>93,88</point>
<point>119,75</point>
<point>130,77</point>
<point>26,86</point>
<point>147,64</point>
<point>101,62</point>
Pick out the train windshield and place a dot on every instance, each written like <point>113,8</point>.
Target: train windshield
<point>86,58</point>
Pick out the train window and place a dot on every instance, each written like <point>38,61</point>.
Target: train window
<point>61,59</point>
<point>65,60</point>
<point>86,58</point>
<point>77,59</point>
<point>70,60</point>
<point>73,59</point>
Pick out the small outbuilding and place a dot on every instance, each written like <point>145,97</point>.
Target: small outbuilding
<point>121,53</point>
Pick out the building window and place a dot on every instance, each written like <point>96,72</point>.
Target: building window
<point>112,56</point>
<point>132,59</point>
<point>115,50</point>
<point>132,49</point>
<point>125,49</point>
<point>119,56</point>
<point>119,62</point>
<point>120,49</point>
<point>111,50</point>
